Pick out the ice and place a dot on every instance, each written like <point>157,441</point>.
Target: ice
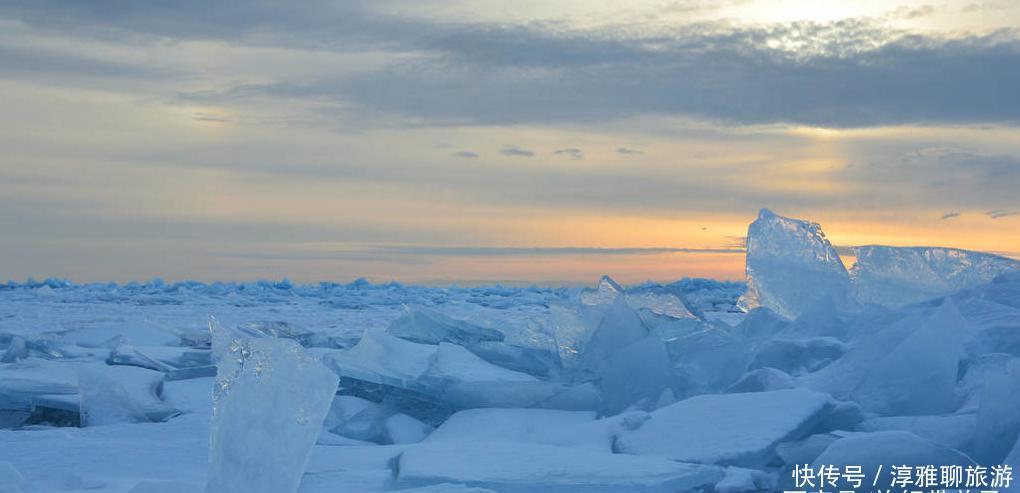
<point>104,401</point>
<point>368,424</point>
<point>727,429</point>
<point>762,323</point>
<point>660,300</point>
<point>16,349</point>
<point>427,326</point>
<point>401,428</point>
<point>739,480</point>
<point>10,479</point>
<point>951,430</point>
<point>761,380</point>
<point>1013,460</point>
<point>540,362</point>
<point>384,359</point>
<point>886,448</point>
<point>270,401</point>
<point>343,408</point>
<point>453,364</point>
<point>447,488</point>
<point>641,370</point>
<point>897,276</point>
<point>525,468</point>
<point>919,375</point>
<point>998,416</point>
<point>163,486</point>
<point>792,266</point>
<point>618,327</point>
<point>708,357</point>
<point>906,365</point>
<point>605,293</point>
<point>535,426</point>
<point>797,357</point>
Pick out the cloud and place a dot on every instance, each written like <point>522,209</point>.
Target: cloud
<point>382,251</point>
<point>516,151</point>
<point>1000,213</point>
<point>626,150</point>
<point>572,153</point>
<point>466,154</point>
<point>849,73</point>
<point>950,215</point>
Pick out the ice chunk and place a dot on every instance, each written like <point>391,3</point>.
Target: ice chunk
<point>452,363</point>
<point>618,328</point>
<point>525,468</point>
<point>761,380</point>
<point>384,359</point>
<point>343,408</point>
<point>998,416</point>
<point>800,356</point>
<point>605,293</point>
<point>728,429</point>
<point>531,360</point>
<point>369,424</point>
<point>427,326</point>
<point>897,276</point>
<point>16,349</point>
<point>919,375</point>
<point>104,401</point>
<point>660,300</point>
<point>761,323</point>
<point>885,448</point>
<point>709,357</point>
<point>807,450</point>
<point>641,370</point>
<point>536,426</point>
<point>792,266</point>
<point>270,401</point>
<point>908,367</point>
<point>951,430</point>
<point>1013,460</point>
<point>739,480</point>
<point>401,428</point>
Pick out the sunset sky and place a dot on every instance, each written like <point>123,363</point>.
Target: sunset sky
<point>493,140</point>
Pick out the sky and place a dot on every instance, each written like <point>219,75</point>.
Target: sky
<point>495,141</point>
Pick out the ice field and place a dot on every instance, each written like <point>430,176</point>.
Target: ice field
<point>910,357</point>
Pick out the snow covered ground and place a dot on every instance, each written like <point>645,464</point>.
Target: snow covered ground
<point>911,357</point>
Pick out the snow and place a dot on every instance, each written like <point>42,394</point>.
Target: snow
<point>516,467</point>
<point>727,429</point>
<point>401,428</point>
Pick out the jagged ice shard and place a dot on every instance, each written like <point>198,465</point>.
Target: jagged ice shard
<point>270,400</point>
<point>897,276</point>
<point>791,266</point>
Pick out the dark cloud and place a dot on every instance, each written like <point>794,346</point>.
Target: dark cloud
<point>1000,213</point>
<point>571,152</point>
<point>516,151</point>
<point>466,154</point>
<point>625,150</point>
<point>950,215</point>
<point>843,74</point>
